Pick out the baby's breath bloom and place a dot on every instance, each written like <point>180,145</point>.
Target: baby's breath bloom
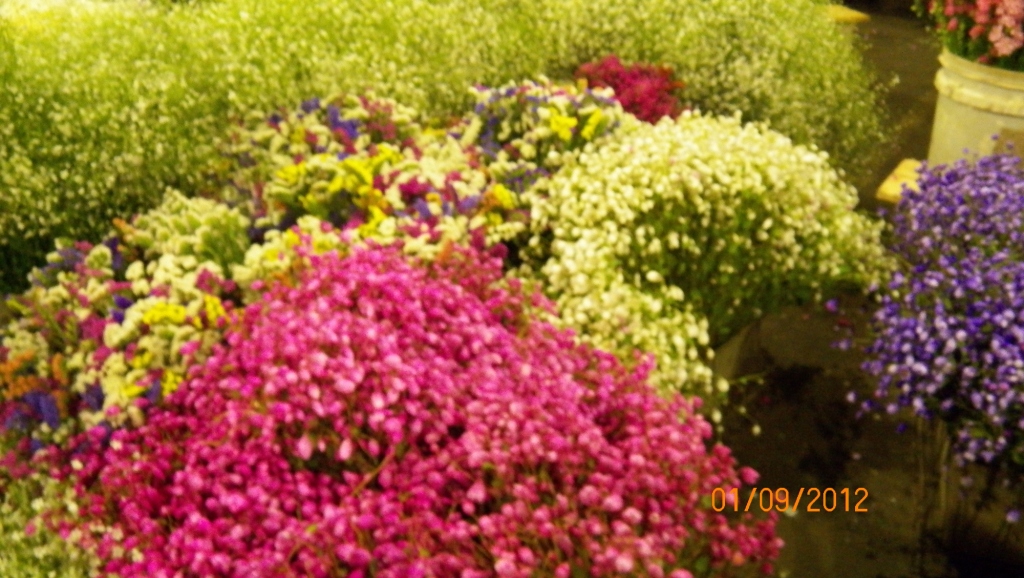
<point>670,237</point>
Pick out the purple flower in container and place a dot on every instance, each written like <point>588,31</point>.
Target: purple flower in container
<point>949,334</point>
<point>44,406</point>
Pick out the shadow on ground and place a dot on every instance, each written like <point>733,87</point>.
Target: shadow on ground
<point>904,55</point>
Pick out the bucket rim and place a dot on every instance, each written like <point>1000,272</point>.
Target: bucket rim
<point>976,71</point>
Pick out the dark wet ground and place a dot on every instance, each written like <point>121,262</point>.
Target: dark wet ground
<point>905,57</point>
<point>810,437</point>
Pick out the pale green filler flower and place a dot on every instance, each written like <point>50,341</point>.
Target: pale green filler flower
<point>43,554</point>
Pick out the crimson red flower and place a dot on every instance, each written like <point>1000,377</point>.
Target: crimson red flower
<point>646,91</point>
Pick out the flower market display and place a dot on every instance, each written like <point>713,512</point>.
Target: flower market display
<point>987,31</point>
<point>103,105</point>
<point>950,332</point>
<point>343,361</point>
<point>409,289</point>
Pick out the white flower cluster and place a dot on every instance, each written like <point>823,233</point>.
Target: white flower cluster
<point>671,233</point>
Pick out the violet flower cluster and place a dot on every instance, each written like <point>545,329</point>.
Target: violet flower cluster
<point>378,417</point>
<point>950,333</point>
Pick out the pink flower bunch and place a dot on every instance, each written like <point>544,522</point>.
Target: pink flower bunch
<point>1007,33</point>
<point>647,92</point>
<point>377,417</point>
<point>989,31</point>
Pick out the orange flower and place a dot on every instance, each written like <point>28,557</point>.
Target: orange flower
<point>57,369</point>
<point>13,382</point>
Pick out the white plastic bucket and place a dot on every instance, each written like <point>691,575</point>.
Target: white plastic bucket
<point>980,109</point>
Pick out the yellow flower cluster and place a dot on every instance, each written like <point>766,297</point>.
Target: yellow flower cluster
<point>164,313</point>
<point>562,125</point>
<point>315,183</point>
<point>214,310</point>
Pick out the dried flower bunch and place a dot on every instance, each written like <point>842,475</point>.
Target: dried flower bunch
<point>109,323</point>
<point>526,131</point>
<point>367,164</point>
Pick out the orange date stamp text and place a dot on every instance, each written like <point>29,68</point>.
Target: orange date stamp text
<point>779,499</point>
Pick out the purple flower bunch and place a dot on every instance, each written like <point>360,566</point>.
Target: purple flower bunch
<point>950,334</point>
<point>380,417</point>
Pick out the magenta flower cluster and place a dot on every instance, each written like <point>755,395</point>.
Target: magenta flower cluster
<point>377,417</point>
